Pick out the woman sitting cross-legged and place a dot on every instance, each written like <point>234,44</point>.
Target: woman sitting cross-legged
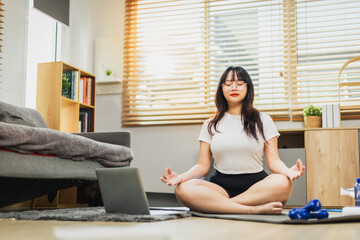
<point>236,138</point>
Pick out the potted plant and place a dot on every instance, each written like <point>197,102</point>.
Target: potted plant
<point>312,116</point>
<point>108,72</point>
<point>65,86</point>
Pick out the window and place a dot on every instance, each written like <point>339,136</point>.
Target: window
<point>175,52</point>
<point>328,34</point>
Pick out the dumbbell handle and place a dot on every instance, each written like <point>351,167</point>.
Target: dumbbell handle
<point>320,214</point>
<point>312,206</point>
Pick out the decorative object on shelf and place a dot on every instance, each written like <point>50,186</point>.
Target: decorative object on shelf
<point>312,116</point>
<point>109,77</point>
<point>65,83</point>
<point>108,72</point>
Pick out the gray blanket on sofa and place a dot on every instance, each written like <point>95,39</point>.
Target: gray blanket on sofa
<point>25,139</point>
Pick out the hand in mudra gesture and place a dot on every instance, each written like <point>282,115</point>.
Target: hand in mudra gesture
<point>171,178</point>
<point>296,171</point>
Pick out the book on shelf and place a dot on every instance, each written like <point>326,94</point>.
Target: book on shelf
<point>81,86</point>
<point>88,91</point>
<point>85,120</point>
<point>324,116</point>
<point>76,85</point>
<point>85,90</point>
<point>329,116</point>
<point>336,114</point>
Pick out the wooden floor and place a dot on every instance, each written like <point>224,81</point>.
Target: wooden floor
<point>184,229</point>
<point>180,229</point>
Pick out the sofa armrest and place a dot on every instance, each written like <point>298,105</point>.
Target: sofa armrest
<point>119,138</point>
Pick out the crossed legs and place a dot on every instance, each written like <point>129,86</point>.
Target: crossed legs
<point>265,197</point>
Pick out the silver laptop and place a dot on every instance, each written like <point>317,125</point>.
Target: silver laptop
<point>122,191</point>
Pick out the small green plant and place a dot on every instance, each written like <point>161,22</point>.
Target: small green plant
<point>311,110</point>
<point>108,72</point>
<point>65,83</point>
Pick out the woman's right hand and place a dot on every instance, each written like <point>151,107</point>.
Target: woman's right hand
<point>171,178</point>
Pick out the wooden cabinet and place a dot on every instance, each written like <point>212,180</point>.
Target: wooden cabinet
<point>332,158</point>
<point>332,161</point>
<point>62,113</point>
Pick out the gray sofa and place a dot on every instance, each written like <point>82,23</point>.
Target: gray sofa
<point>26,176</point>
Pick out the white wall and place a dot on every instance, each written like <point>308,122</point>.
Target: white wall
<point>14,52</point>
<point>40,48</point>
<point>83,20</point>
<point>110,16</point>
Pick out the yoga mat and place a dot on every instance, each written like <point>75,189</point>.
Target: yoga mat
<point>280,219</point>
<point>95,214</point>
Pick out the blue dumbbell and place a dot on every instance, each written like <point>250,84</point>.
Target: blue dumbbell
<point>304,212</point>
<point>299,213</point>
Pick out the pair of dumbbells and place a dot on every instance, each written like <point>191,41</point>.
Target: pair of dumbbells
<point>310,210</point>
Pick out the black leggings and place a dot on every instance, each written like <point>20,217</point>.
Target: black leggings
<point>235,184</point>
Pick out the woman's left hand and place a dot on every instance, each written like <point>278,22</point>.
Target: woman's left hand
<point>296,171</point>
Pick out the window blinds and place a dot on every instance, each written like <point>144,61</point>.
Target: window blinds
<point>175,52</point>
<point>166,63</point>
<point>328,34</point>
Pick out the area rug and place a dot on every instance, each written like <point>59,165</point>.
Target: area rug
<point>280,219</point>
<point>95,214</point>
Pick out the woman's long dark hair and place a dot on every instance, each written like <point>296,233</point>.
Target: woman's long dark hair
<point>249,115</point>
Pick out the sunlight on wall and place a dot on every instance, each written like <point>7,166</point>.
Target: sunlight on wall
<point>40,48</point>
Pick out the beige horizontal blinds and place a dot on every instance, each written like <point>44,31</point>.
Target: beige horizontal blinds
<point>251,34</point>
<point>328,34</point>
<point>166,67</point>
<point>175,52</point>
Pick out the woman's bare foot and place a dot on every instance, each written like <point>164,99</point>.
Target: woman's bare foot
<point>269,208</point>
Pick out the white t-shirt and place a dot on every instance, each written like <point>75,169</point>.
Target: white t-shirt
<point>233,150</point>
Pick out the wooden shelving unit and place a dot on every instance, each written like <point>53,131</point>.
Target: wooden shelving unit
<point>61,113</point>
